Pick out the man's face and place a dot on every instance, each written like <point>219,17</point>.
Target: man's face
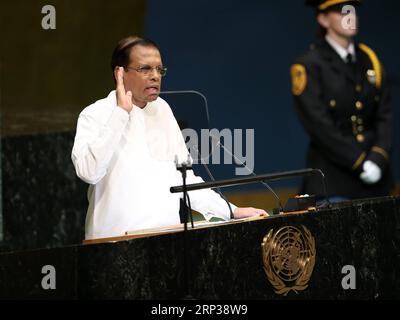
<point>342,24</point>
<point>144,87</point>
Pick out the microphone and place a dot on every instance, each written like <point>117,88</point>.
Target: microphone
<point>213,179</point>
<point>248,169</point>
<point>183,167</point>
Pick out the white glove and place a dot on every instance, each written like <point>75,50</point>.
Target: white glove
<point>371,174</point>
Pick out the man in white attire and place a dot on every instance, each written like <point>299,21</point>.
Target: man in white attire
<point>125,148</point>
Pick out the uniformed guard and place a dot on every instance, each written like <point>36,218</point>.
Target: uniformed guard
<point>341,97</point>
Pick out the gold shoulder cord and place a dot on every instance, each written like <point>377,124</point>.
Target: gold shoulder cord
<point>375,63</point>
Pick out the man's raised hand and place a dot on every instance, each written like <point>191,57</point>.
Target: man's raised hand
<point>124,99</point>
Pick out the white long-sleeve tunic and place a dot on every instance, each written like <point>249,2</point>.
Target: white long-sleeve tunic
<point>128,160</point>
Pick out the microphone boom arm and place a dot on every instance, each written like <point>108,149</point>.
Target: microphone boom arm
<point>252,179</point>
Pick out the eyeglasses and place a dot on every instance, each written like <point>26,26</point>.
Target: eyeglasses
<point>146,70</point>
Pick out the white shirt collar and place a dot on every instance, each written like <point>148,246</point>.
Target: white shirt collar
<point>342,52</point>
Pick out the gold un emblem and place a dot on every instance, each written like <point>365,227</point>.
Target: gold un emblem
<point>289,258</point>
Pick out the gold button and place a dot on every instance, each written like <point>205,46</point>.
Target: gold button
<point>360,121</point>
<point>353,118</point>
<point>358,88</point>
<point>332,103</point>
<point>360,128</point>
<point>359,105</point>
<point>360,138</point>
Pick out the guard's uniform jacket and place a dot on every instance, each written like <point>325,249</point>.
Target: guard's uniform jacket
<point>345,110</point>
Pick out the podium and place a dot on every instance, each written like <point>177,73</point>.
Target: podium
<point>136,234</point>
<point>353,253</point>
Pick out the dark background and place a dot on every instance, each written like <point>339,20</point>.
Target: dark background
<point>238,53</point>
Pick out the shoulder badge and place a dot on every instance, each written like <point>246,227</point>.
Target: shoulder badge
<point>375,75</point>
<point>299,79</point>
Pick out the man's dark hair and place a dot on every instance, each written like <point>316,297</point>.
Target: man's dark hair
<point>121,54</point>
